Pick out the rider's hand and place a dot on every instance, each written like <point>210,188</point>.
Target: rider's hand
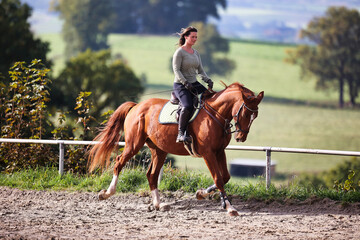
<point>210,84</point>
<point>188,86</point>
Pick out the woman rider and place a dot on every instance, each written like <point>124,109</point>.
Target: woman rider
<point>186,66</point>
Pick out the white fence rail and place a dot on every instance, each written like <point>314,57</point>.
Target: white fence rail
<point>267,150</point>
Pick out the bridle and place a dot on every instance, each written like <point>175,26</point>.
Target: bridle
<point>227,126</point>
<point>237,118</point>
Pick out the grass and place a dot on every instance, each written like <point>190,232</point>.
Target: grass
<point>134,180</point>
<point>292,114</point>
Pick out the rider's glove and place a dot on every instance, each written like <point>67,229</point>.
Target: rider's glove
<point>210,83</point>
<point>189,86</point>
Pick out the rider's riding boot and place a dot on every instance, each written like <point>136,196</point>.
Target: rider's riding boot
<point>184,118</point>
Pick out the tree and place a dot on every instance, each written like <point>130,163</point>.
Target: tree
<point>164,16</point>
<point>86,24</point>
<point>335,58</point>
<point>111,82</point>
<point>17,42</point>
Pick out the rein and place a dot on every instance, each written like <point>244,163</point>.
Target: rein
<point>227,126</point>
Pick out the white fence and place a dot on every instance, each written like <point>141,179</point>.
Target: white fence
<point>267,150</point>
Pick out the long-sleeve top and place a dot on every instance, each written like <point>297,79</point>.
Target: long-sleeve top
<point>187,66</point>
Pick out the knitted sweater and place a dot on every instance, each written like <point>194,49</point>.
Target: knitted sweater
<point>187,66</point>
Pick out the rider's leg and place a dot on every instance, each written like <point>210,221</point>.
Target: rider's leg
<point>185,115</point>
<point>186,99</point>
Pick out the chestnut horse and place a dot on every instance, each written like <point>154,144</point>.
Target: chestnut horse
<point>211,131</point>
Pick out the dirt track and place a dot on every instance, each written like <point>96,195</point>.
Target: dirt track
<point>64,215</point>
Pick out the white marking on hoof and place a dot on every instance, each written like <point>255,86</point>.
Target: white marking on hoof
<point>156,198</point>
<point>105,194</point>
<point>102,195</point>
<point>230,209</point>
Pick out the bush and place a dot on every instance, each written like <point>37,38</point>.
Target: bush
<point>345,175</point>
<point>24,115</point>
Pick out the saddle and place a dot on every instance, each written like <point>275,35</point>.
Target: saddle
<point>170,115</point>
<point>170,112</point>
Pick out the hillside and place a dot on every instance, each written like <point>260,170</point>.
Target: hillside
<point>275,20</point>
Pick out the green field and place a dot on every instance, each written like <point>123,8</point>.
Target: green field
<point>290,115</point>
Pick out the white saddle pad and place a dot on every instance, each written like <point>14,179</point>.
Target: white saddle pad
<point>168,114</point>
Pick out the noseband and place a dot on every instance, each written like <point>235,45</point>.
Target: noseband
<point>237,124</point>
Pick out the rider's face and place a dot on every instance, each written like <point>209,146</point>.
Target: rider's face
<point>191,39</point>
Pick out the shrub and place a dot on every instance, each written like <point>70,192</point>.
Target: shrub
<point>24,115</point>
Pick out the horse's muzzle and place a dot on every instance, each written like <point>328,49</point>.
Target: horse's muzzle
<point>240,137</point>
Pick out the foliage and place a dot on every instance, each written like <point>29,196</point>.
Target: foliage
<point>86,24</point>
<point>161,16</point>
<point>111,82</point>
<point>24,115</point>
<point>209,45</point>
<point>349,184</point>
<point>335,59</point>
<point>17,42</point>
<point>343,177</point>
<point>76,156</point>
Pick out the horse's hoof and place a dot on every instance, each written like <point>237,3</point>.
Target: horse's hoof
<point>199,195</point>
<point>156,207</point>
<point>101,195</point>
<point>164,207</point>
<point>233,213</point>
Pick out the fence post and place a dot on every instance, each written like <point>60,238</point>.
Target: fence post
<point>61,158</point>
<point>268,167</point>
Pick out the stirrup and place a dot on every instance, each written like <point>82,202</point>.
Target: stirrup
<point>183,138</point>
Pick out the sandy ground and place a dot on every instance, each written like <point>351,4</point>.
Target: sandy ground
<point>66,215</point>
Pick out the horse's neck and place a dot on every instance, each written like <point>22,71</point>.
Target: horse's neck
<point>223,103</point>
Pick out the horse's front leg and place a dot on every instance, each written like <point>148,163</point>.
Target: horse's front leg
<point>220,174</point>
<point>226,204</point>
<point>158,159</point>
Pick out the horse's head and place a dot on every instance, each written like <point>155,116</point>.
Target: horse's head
<point>244,113</point>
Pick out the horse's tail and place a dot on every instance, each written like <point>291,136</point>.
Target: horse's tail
<point>99,154</point>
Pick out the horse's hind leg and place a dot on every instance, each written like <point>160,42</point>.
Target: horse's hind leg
<point>157,161</point>
<point>132,146</point>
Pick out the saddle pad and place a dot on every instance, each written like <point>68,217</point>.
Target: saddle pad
<point>168,114</point>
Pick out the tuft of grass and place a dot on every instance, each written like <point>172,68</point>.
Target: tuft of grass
<point>188,181</point>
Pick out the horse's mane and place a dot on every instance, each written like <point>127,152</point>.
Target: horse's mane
<point>238,86</point>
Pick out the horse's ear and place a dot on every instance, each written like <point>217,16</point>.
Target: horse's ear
<point>260,96</point>
<point>244,97</point>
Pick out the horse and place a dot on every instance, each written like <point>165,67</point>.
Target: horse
<point>211,132</point>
